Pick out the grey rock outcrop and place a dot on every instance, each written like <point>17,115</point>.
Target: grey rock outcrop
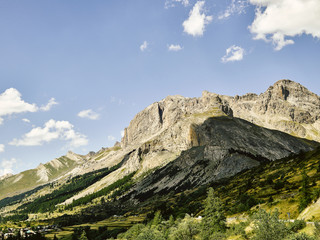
<point>286,106</point>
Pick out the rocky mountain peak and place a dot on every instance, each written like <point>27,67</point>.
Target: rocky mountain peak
<point>286,106</point>
<point>290,91</point>
<point>73,156</point>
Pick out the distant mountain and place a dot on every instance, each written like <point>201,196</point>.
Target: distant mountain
<point>44,173</point>
<point>6,176</point>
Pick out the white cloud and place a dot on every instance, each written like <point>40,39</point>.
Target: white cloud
<point>11,103</point>
<point>233,53</point>
<point>89,114</point>
<point>111,138</point>
<point>276,20</point>
<point>197,21</point>
<point>174,48</point>
<point>51,103</point>
<point>2,147</point>
<point>26,120</point>
<point>52,130</point>
<point>144,46</point>
<point>172,3</point>
<point>6,166</point>
<point>236,7</point>
<point>122,133</point>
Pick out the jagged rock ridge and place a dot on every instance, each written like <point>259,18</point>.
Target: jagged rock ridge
<point>286,106</point>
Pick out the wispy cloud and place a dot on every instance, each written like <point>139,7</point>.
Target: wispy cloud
<point>276,21</point>
<point>174,48</point>
<point>6,166</point>
<point>49,105</point>
<point>233,53</point>
<point>197,21</point>
<point>89,114</point>
<point>25,120</point>
<point>111,138</point>
<point>2,147</point>
<point>52,130</point>
<point>119,101</point>
<point>236,7</point>
<point>172,3</point>
<point>144,46</point>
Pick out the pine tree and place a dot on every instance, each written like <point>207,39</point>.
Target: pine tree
<point>305,195</point>
<point>171,221</point>
<point>187,229</point>
<point>157,218</point>
<point>214,220</point>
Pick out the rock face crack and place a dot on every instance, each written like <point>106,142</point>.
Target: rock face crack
<point>160,110</point>
<point>285,93</point>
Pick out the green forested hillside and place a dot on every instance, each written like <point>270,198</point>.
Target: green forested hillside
<point>48,202</point>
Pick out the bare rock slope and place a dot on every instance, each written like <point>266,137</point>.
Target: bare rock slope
<point>226,146</point>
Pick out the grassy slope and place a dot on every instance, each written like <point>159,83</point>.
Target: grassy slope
<point>275,185</point>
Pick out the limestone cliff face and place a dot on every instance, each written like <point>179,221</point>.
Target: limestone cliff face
<point>286,106</point>
<point>171,117</point>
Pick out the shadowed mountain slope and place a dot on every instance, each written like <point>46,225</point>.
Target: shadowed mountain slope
<point>224,147</point>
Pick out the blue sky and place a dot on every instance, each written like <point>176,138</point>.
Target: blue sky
<point>73,73</point>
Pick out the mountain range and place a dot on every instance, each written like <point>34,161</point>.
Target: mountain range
<point>179,144</point>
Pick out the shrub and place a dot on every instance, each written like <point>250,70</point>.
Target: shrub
<point>268,227</point>
<point>150,234</point>
<point>238,228</point>
<point>297,225</point>
<point>187,229</point>
<point>133,232</point>
<point>299,236</point>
